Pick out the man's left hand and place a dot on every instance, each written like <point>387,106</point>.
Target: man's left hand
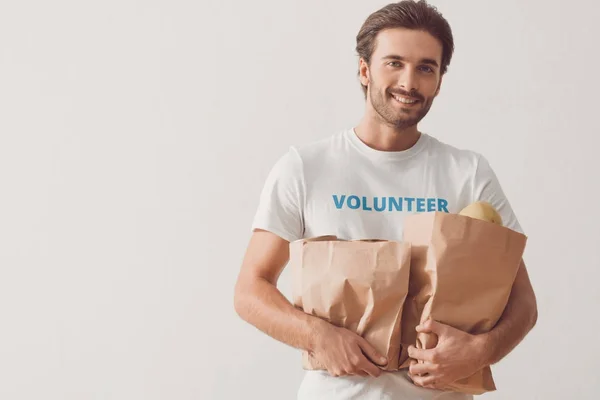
<point>457,355</point>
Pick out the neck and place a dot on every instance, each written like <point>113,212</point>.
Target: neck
<point>381,136</point>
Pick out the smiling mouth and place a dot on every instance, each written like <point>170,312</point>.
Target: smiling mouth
<point>407,101</point>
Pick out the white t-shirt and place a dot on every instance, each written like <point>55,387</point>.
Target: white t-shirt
<point>340,186</point>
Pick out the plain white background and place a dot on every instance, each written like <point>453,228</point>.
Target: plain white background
<point>135,137</point>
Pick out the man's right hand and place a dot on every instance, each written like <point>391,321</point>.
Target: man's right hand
<point>343,352</point>
<point>258,301</point>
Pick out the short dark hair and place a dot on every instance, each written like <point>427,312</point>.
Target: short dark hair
<point>418,15</point>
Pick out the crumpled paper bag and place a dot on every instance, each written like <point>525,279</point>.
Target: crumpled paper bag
<point>462,271</point>
<point>359,285</point>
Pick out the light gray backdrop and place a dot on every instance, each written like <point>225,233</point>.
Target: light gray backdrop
<point>135,137</point>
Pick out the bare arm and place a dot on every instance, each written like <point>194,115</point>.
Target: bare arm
<point>259,302</point>
<point>519,317</point>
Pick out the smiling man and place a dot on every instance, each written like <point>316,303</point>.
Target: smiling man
<point>361,183</point>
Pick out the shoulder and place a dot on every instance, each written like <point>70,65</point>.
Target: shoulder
<point>461,157</point>
<point>320,147</point>
<point>315,153</point>
<point>293,162</point>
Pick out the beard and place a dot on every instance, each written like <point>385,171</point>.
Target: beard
<point>393,113</point>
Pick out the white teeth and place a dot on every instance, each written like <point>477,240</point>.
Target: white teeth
<point>404,100</point>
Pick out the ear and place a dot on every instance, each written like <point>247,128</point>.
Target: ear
<point>437,91</point>
<point>363,71</point>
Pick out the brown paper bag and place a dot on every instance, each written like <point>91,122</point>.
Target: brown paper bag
<point>462,271</point>
<point>358,285</point>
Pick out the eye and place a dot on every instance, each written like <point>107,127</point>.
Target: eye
<point>394,64</point>
<point>426,69</point>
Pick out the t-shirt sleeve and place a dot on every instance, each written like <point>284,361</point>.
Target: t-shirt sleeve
<point>280,208</point>
<point>486,187</point>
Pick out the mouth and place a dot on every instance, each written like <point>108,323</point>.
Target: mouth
<point>405,101</point>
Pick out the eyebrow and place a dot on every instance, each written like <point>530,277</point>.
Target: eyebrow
<point>422,61</point>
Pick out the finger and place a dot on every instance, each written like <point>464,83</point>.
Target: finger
<point>410,369</point>
<point>425,381</point>
<point>421,368</point>
<point>370,368</point>
<point>410,364</point>
<point>333,373</point>
<point>420,354</point>
<point>430,326</point>
<point>371,352</point>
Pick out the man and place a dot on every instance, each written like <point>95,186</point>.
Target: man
<point>328,187</point>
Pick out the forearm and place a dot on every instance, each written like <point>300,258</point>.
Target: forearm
<point>261,304</point>
<point>518,318</point>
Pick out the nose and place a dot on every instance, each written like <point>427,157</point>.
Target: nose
<point>408,80</point>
